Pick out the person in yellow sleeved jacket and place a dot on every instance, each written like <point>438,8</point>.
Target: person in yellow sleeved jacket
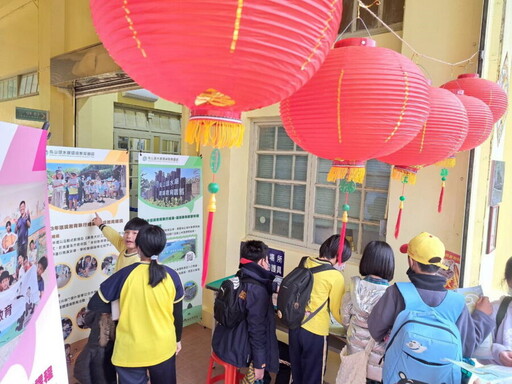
<point>308,343</point>
<point>125,244</point>
<point>148,335</point>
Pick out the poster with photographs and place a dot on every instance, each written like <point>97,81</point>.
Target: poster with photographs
<point>31,346</point>
<point>170,195</point>
<point>81,182</point>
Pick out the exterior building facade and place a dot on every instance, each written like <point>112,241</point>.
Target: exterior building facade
<point>271,189</point>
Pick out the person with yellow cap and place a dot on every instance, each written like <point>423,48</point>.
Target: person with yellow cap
<point>427,295</point>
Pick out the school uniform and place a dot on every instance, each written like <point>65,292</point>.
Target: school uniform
<point>146,314</point>
<point>308,343</point>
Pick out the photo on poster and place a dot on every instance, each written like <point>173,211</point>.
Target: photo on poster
<point>179,250</point>
<point>63,273</point>
<point>167,187</point>
<point>23,259</point>
<point>67,327</point>
<point>80,318</point>
<point>108,265</point>
<point>85,187</point>
<point>191,288</point>
<point>86,266</point>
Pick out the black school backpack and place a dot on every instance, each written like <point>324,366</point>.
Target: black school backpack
<point>295,292</point>
<point>229,307</point>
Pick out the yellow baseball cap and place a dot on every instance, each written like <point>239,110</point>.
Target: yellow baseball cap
<point>426,249</point>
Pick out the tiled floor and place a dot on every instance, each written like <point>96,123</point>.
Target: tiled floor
<point>192,361</point>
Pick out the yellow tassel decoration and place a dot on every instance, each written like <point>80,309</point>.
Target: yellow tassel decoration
<point>348,173</point>
<point>449,162</point>
<point>399,173</point>
<point>344,217</point>
<point>215,133</point>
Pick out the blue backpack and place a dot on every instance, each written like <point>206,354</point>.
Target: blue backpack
<point>422,338</point>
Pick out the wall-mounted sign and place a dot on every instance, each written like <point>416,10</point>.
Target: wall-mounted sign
<point>31,114</point>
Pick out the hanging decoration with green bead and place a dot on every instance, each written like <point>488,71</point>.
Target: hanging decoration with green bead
<point>444,175</point>
<point>405,180</point>
<point>345,187</point>
<point>213,188</point>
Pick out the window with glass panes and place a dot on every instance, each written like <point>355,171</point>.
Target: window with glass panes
<point>389,11</point>
<point>293,202</point>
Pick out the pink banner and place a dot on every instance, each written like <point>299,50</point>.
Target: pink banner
<point>31,347</point>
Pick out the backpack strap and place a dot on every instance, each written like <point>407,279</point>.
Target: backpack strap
<point>320,268</point>
<point>312,314</point>
<point>302,262</point>
<point>502,311</point>
<point>451,307</point>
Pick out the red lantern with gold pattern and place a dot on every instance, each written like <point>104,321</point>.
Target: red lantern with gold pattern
<point>487,91</point>
<point>443,133</point>
<point>363,103</point>
<point>480,121</point>
<point>219,58</point>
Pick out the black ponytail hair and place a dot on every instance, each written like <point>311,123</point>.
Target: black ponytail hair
<point>508,271</point>
<point>151,241</point>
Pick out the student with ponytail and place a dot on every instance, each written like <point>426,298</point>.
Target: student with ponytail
<point>150,297</point>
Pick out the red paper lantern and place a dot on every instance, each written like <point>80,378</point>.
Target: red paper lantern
<point>364,102</point>
<point>480,121</point>
<point>487,91</point>
<point>219,58</point>
<point>442,134</point>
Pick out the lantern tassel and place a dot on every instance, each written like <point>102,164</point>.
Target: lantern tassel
<point>441,197</point>
<point>215,133</point>
<point>344,220</point>
<point>449,162</point>
<point>212,207</point>
<point>398,174</point>
<point>399,220</point>
<point>350,174</point>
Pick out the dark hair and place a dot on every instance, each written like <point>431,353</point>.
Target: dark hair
<point>254,250</point>
<point>5,275</point>
<point>329,248</point>
<point>151,241</point>
<point>44,262</point>
<point>135,224</point>
<point>8,223</point>
<point>508,270</point>
<point>428,268</point>
<point>22,202</point>
<point>378,259</point>
<point>32,242</point>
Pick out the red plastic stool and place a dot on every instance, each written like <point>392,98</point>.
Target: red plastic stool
<point>231,374</point>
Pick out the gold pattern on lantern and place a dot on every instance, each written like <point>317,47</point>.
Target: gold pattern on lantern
<point>213,97</point>
<point>404,107</point>
<point>237,25</point>
<point>132,28</point>
<point>322,35</point>
<point>423,132</point>
<point>338,107</point>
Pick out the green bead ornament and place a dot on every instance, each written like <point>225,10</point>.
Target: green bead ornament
<point>213,187</point>
<point>443,178</point>
<point>345,207</point>
<point>402,198</point>
<point>444,172</point>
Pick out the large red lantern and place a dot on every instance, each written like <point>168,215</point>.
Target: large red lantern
<point>487,91</point>
<point>441,136</point>
<point>480,121</point>
<point>219,58</point>
<point>363,103</point>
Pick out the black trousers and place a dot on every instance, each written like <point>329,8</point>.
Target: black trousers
<point>163,373</point>
<point>308,355</point>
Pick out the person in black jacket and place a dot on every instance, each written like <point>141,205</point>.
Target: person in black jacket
<point>254,339</point>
